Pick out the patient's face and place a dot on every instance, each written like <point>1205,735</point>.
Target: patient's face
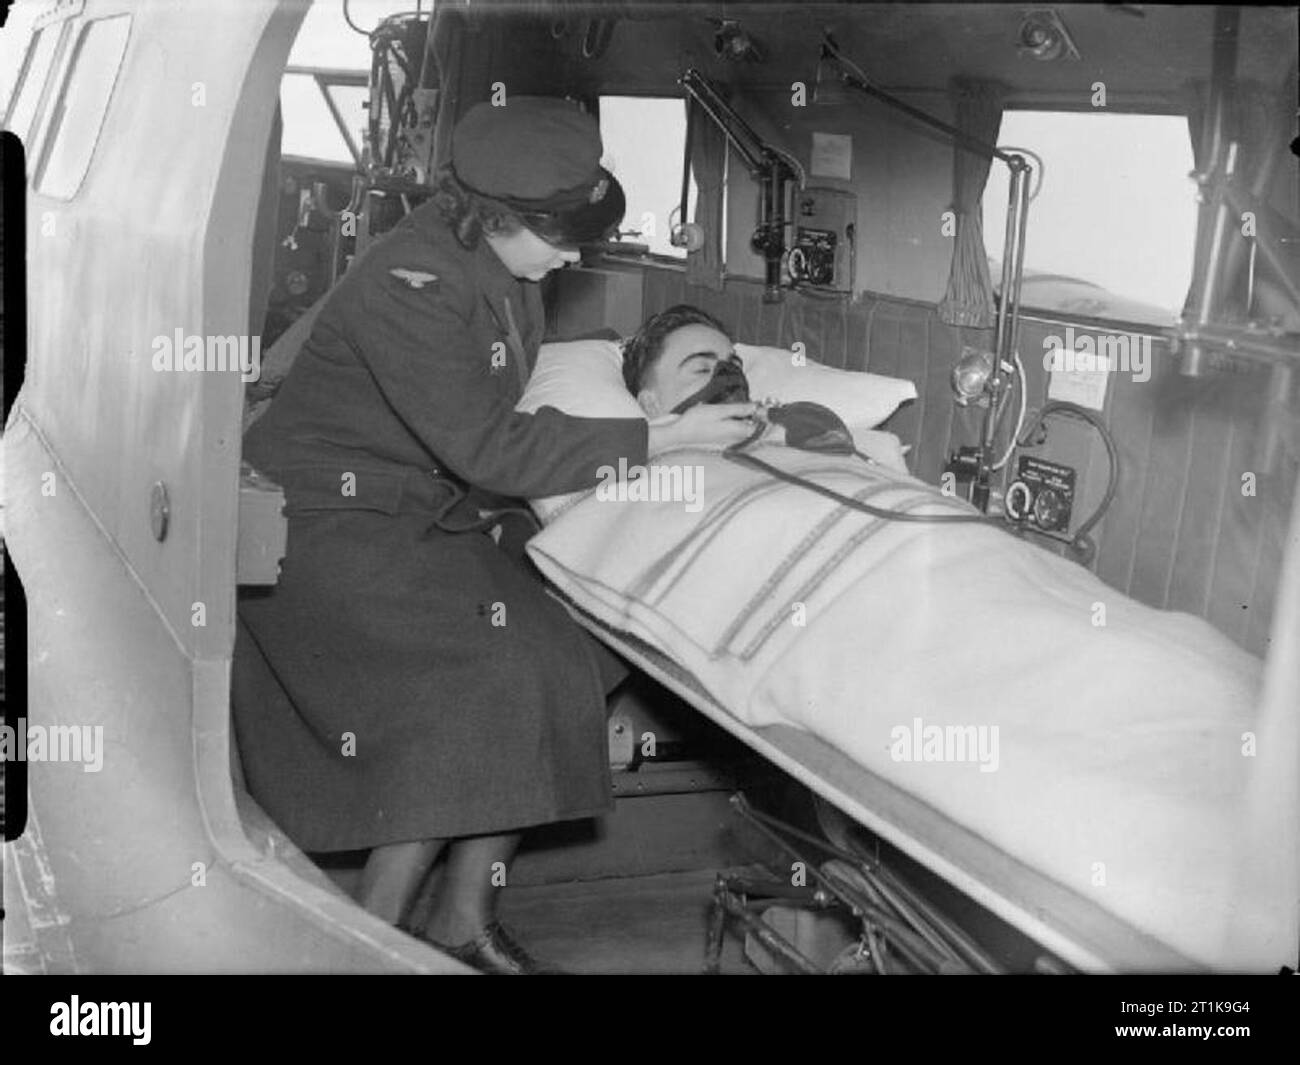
<point>683,368</point>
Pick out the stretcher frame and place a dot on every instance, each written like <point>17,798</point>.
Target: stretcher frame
<point>1062,921</point>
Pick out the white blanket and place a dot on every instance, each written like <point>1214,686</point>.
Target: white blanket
<point>1096,739</point>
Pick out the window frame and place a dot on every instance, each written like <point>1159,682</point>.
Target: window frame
<point>326,79</point>
<point>53,73</point>
<point>618,251</point>
<point>1154,106</point>
<point>49,131</point>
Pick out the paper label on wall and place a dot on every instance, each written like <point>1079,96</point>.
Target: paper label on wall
<point>832,155</point>
<point>1082,384</point>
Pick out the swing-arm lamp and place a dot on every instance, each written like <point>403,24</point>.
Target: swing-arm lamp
<point>1007,333</point>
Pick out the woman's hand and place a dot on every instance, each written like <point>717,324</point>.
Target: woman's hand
<point>705,423</point>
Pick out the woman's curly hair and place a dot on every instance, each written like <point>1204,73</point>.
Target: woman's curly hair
<point>469,216</point>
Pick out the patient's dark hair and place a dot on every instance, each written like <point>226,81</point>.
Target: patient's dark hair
<point>642,352</point>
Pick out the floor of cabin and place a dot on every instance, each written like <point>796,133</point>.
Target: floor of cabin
<point>658,925</point>
<point>632,892</point>
<point>644,924</point>
<point>575,911</point>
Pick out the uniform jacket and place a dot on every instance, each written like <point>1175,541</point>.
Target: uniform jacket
<point>414,366</point>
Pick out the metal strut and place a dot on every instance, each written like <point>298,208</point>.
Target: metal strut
<point>769,168</point>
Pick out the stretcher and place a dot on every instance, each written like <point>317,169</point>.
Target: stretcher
<point>1121,826</point>
<point>1064,922</point>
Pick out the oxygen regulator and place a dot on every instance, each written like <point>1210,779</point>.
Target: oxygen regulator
<point>1041,495</point>
<point>822,251</point>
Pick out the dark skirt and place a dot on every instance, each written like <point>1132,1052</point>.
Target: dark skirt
<point>403,683</point>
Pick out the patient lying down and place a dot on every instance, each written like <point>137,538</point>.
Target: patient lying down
<point>682,360</point>
<point>683,357</point>
<point>1119,771</point>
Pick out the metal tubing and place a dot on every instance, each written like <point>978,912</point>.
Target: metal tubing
<point>924,928</point>
<point>876,945</point>
<point>799,834</point>
<point>963,139</point>
<point>908,939</point>
<point>1020,170</point>
<point>886,900</point>
<point>1266,238</point>
<point>1243,342</point>
<point>765,934</point>
<point>1260,183</point>
<point>776,890</point>
<point>771,232</point>
<point>1007,330</point>
<point>339,121</point>
<point>1209,301</point>
<point>964,944</point>
<point>1250,277</point>
<point>1208,298</point>
<point>889,890</point>
<point>1205,295</point>
<point>717,927</point>
<point>764,163</point>
<point>686,164</point>
<point>725,118</point>
<point>1008,242</point>
<point>742,808</point>
<point>1223,74</point>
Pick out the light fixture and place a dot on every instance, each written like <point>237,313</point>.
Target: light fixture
<point>970,375</point>
<point>1043,36</point>
<point>732,41</point>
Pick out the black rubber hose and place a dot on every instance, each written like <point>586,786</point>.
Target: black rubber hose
<point>736,454</point>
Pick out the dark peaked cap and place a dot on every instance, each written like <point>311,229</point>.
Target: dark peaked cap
<point>535,153</point>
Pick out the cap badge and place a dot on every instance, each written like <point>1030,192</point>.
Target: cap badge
<point>598,191</point>
<point>413,278</point>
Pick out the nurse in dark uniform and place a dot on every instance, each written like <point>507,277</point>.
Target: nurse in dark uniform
<point>407,685</point>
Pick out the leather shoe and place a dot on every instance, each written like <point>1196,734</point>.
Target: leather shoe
<point>494,950</point>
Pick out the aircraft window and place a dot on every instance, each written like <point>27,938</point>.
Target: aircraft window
<point>36,69</point>
<point>1113,232</point>
<point>328,47</point>
<point>82,104</point>
<point>645,145</point>
<point>310,131</point>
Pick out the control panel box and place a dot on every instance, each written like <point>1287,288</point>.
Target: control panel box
<point>822,250</point>
<point>1042,494</point>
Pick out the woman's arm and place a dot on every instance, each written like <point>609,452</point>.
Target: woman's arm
<point>439,375</point>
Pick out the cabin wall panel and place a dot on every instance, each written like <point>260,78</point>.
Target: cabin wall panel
<point>1165,485</point>
<point>1179,535</point>
<point>902,192</point>
<point>1243,541</point>
<point>1208,461</point>
<point>1131,424</point>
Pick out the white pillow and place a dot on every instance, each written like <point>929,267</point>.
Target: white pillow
<point>580,377</point>
<point>583,378</point>
<point>862,400</point>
